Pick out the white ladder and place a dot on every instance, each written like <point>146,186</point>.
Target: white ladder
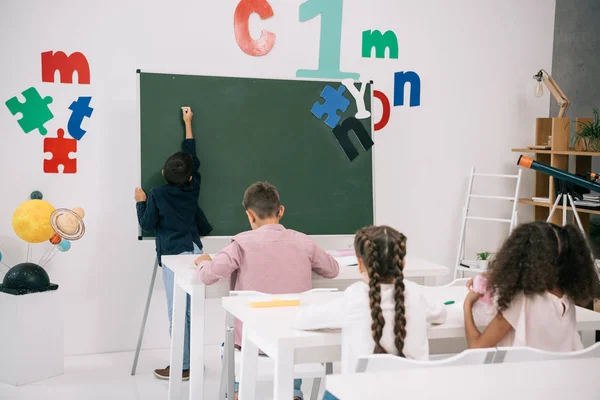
<point>460,255</point>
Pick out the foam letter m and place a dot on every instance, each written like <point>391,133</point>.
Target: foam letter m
<point>66,66</point>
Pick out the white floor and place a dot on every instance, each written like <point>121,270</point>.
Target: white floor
<point>108,376</point>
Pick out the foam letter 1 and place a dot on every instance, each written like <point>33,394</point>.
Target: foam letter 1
<point>331,39</point>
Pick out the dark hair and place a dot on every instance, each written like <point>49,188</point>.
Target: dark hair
<point>539,257</point>
<point>382,250</point>
<point>178,169</point>
<point>263,199</point>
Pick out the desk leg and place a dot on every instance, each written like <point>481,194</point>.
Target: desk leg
<point>248,364</point>
<point>283,388</point>
<point>197,343</point>
<point>178,328</point>
<point>588,338</point>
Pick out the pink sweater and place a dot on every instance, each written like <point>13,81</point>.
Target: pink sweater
<point>270,259</point>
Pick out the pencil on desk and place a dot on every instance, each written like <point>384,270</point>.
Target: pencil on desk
<point>274,303</point>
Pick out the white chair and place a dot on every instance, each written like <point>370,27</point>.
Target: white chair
<point>231,364</point>
<point>450,347</point>
<point>525,354</point>
<point>388,362</point>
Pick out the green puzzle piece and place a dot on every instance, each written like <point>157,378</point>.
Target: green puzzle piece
<point>35,110</point>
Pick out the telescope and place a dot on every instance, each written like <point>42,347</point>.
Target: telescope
<point>563,193</point>
<point>529,163</point>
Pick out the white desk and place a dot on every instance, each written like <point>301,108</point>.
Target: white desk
<point>186,281</point>
<point>561,379</point>
<point>271,331</point>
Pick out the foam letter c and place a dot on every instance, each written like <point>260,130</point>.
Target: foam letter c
<point>252,47</point>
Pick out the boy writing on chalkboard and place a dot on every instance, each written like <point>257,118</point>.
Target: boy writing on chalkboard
<point>172,211</point>
<point>269,258</point>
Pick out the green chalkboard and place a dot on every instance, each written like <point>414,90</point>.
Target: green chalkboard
<point>249,130</point>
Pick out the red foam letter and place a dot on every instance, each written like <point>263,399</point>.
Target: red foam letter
<point>51,62</point>
<point>385,115</point>
<point>252,47</point>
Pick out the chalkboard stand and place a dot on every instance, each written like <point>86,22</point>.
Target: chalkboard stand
<point>143,328</point>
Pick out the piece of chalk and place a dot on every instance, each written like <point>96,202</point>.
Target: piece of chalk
<point>449,302</point>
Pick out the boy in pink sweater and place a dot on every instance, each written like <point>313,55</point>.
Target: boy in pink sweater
<point>269,258</point>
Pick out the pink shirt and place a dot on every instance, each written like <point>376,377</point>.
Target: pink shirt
<point>542,321</point>
<point>270,259</point>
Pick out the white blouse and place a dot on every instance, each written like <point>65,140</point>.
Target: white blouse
<point>542,321</point>
<point>352,314</point>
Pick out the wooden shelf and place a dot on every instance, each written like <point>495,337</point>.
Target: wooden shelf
<point>560,207</point>
<point>559,152</point>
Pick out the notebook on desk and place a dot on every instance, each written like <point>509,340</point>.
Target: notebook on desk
<point>348,261</point>
<point>343,253</point>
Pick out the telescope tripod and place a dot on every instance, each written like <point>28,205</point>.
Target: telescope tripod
<point>566,196</point>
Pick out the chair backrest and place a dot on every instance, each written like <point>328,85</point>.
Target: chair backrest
<point>387,362</point>
<point>458,282</point>
<point>525,354</point>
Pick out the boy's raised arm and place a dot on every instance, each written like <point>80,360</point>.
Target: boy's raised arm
<point>189,144</point>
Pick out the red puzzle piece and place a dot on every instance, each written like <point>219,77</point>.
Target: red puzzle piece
<point>60,149</point>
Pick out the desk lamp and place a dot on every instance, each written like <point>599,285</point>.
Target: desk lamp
<point>559,96</point>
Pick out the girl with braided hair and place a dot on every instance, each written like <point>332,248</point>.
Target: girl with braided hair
<point>382,314</point>
<point>541,272</point>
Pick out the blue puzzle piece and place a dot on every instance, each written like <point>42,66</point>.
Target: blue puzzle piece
<point>334,101</point>
<point>80,109</point>
<point>35,111</point>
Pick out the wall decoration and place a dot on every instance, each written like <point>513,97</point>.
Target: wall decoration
<point>242,13</point>
<point>35,111</point>
<point>61,149</point>
<point>80,109</point>
<point>334,101</point>
<point>359,97</point>
<point>400,80</point>
<point>385,114</point>
<point>331,38</point>
<point>375,40</point>
<point>66,66</point>
<point>330,12</point>
<point>342,131</point>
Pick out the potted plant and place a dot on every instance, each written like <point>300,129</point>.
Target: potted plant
<point>483,260</point>
<point>587,134</point>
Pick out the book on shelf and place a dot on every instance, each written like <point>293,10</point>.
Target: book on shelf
<point>587,204</point>
<point>541,199</point>
<point>591,196</point>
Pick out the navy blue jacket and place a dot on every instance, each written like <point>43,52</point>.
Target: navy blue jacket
<point>173,212</point>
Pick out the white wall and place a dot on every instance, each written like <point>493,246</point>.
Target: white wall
<point>475,59</point>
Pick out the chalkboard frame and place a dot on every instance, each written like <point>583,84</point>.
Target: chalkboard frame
<point>141,237</point>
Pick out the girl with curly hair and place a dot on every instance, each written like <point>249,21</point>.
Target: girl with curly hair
<point>382,314</point>
<point>541,272</point>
